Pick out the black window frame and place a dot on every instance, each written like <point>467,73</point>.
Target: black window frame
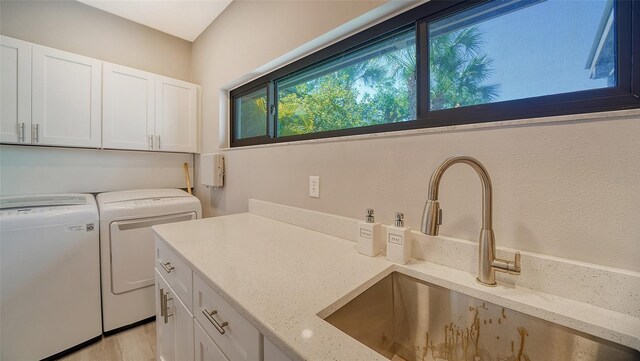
<point>624,95</point>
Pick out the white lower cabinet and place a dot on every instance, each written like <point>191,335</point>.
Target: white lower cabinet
<point>174,324</point>
<point>214,331</point>
<point>206,349</point>
<point>235,336</point>
<point>273,353</point>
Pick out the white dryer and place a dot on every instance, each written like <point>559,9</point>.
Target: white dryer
<point>127,249</point>
<point>49,275</point>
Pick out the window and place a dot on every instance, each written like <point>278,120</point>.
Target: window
<point>482,55</point>
<point>250,114</point>
<point>373,84</point>
<point>448,63</point>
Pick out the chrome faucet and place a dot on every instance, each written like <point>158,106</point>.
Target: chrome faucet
<point>488,264</point>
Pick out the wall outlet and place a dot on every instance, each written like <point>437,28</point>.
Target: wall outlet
<point>314,186</point>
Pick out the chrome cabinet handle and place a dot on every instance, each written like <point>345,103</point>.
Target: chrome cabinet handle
<point>167,266</point>
<point>164,300</point>
<point>158,139</point>
<point>218,326</point>
<point>151,142</point>
<point>35,138</point>
<point>162,305</point>
<point>21,132</point>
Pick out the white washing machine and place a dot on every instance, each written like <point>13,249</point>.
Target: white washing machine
<point>49,275</point>
<point>127,256</point>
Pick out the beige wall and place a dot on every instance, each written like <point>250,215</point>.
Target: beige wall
<point>569,189</point>
<point>78,28</point>
<point>244,38</point>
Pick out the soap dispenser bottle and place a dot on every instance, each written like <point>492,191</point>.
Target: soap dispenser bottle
<point>370,240</point>
<point>398,241</point>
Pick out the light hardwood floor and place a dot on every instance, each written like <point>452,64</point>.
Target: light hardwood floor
<point>136,344</point>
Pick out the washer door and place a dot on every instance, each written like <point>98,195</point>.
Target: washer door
<point>132,251</point>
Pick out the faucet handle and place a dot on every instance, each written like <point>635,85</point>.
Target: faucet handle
<point>517,261</point>
<point>502,265</point>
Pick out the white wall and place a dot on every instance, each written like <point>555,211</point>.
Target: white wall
<point>76,27</point>
<point>28,170</point>
<point>569,189</point>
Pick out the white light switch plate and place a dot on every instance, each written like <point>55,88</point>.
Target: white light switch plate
<point>314,186</point>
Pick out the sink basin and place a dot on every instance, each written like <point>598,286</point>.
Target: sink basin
<point>403,318</point>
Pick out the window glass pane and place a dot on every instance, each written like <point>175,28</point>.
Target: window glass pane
<point>374,84</point>
<point>505,50</point>
<point>251,114</point>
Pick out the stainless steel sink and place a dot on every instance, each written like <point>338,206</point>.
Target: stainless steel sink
<point>401,317</point>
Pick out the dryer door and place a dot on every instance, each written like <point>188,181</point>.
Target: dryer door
<point>132,251</point>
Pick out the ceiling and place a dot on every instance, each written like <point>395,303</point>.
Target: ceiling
<point>185,19</point>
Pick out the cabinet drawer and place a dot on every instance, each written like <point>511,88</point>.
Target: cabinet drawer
<point>235,336</point>
<point>206,349</point>
<point>177,273</point>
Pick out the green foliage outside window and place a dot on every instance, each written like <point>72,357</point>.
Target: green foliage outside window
<point>458,69</point>
<point>380,89</point>
<point>377,90</point>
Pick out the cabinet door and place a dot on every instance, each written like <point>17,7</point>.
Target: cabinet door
<point>165,331</point>
<point>127,108</point>
<point>175,330</point>
<point>176,115</point>
<point>184,329</point>
<point>206,349</point>
<point>66,98</point>
<point>15,90</point>
<point>272,353</point>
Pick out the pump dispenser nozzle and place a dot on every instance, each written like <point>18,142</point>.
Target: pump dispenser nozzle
<point>370,218</point>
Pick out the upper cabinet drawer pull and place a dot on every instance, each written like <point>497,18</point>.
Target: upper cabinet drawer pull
<point>167,266</point>
<point>218,326</point>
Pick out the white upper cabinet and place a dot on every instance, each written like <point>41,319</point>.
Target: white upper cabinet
<point>52,97</point>
<point>176,115</point>
<point>66,101</point>
<point>15,90</point>
<point>128,107</point>
<point>148,111</point>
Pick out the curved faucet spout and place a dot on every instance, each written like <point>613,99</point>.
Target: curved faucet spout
<point>432,218</point>
<point>434,185</point>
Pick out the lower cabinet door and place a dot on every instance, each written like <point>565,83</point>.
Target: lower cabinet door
<point>206,349</point>
<point>174,325</point>
<point>273,353</point>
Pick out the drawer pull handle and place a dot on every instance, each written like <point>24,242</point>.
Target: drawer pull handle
<point>218,326</point>
<point>167,266</point>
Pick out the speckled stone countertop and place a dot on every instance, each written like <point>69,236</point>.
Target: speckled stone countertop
<point>284,279</point>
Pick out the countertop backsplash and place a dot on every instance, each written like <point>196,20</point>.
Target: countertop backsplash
<point>601,286</point>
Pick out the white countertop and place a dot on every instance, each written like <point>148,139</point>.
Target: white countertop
<point>280,277</point>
